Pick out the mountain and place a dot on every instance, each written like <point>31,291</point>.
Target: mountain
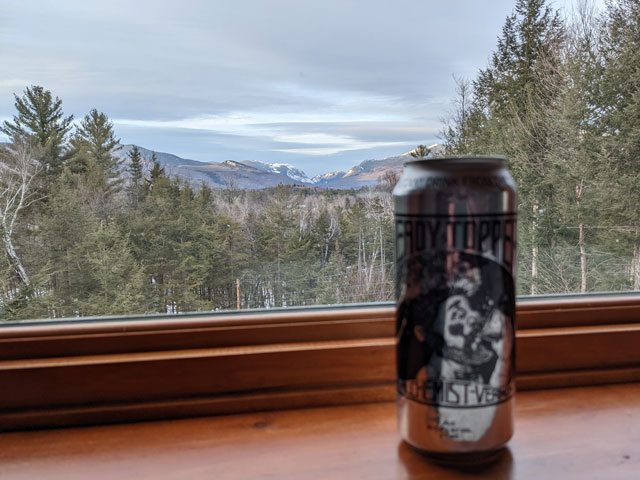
<point>283,169</point>
<point>365,174</point>
<point>237,175</point>
<point>368,172</point>
<point>165,159</point>
<point>242,175</point>
<point>251,174</point>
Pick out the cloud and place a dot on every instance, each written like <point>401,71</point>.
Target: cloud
<point>299,133</point>
<point>253,79</point>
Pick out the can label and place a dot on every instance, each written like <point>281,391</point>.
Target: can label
<point>456,310</point>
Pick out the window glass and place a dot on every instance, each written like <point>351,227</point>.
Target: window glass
<point>163,158</point>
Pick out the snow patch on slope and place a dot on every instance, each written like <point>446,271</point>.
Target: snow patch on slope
<point>283,169</point>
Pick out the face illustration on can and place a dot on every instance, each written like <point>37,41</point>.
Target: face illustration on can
<point>472,341</point>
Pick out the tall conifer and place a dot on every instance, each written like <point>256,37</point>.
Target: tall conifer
<point>94,140</point>
<point>137,176</point>
<point>41,121</point>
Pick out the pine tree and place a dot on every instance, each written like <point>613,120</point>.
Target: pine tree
<point>41,121</point>
<point>135,170</point>
<point>617,102</point>
<point>94,140</point>
<point>205,196</point>
<point>64,225</point>
<point>513,101</point>
<point>92,157</point>
<point>135,166</point>
<point>157,172</point>
<point>421,151</point>
<point>579,170</point>
<point>116,282</point>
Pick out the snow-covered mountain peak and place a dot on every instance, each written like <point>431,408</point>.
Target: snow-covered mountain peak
<point>283,169</point>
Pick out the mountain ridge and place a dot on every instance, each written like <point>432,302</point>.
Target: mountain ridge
<point>254,175</point>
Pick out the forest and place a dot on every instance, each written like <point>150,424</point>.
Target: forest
<point>84,235</point>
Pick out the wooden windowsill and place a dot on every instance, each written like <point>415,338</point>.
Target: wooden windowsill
<point>81,373</point>
<point>587,432</point>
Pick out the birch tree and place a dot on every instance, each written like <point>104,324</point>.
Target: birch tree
<point>19,168</point>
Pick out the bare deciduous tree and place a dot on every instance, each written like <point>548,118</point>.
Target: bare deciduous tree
<point>456,129</point>
<point>19,169</point>
<point>389,180</point>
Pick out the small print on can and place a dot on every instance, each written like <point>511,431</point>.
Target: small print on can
<point>455,325</point>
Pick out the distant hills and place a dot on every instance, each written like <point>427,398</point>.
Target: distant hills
<point>253,175</point>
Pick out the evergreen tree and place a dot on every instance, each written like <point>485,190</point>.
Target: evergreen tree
<point>41,121</point>
<point>157,234</point>
<point>115,282</point>
<point>135,166</point>
<point>579,170</point>
<point>137,177</point>
<point>284,249</point>
<point>91,153</point>
<point>157,172</point>
<point>421,151</point>
<point>513,102</point>
<point>617,103</point>
<point>63,226</point>
<point>205,196</point>
<point>94,140</point>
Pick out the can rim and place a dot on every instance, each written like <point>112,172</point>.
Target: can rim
<point>460,160</point>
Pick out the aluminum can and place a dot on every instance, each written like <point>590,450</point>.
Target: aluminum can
<point>455,322</point>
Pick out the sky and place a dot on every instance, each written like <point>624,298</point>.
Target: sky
<point>320,85</point>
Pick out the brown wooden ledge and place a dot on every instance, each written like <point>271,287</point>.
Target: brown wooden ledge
<point>572,433</point>
<point>120,370</point>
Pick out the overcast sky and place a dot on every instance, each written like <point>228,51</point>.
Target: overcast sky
<point>321,85</point>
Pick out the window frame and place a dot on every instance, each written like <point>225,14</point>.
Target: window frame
<point>130,369</point>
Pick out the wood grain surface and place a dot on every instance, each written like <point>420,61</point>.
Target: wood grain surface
<point>110,335</point>
<point>580,433</point>
<point>76,390</point>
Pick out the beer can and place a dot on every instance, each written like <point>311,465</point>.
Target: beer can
<point>455,324</point>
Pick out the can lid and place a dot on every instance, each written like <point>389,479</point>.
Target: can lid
<point>460,161</point>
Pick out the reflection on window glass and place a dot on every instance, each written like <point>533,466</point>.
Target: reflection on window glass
<point>157,159</point>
